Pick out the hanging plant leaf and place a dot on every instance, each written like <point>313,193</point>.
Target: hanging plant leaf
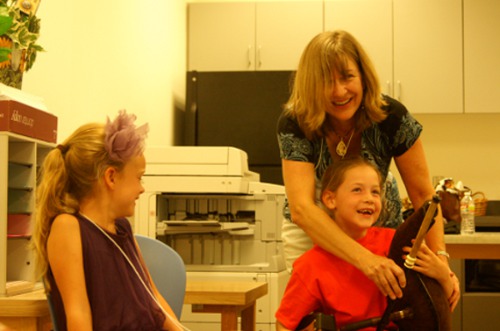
<point>4,54</point>
<point>5,23</point>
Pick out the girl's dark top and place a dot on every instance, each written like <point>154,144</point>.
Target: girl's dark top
<point>118,299</point>
<point>380,143</point>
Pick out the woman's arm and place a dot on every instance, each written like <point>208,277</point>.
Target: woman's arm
<point>64,250</point>
<point>412,166</point>
<point>300,189</point>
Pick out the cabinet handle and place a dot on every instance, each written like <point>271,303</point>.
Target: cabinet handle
<point>259,60</point>
<point>249,55</point>
<point>388,88</point>
<point>399,91</point>
<point>194,107</point>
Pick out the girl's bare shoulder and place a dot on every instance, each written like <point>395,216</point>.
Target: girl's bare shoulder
<point>65,223</point>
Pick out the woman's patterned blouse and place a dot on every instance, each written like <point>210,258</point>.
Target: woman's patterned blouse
<point>379,144</point>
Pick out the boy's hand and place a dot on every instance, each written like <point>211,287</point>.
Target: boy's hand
<point>429,264</point>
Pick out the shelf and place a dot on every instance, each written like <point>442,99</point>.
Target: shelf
<point>22,164</point>
<point>18,225</point>
<point>20,159</point>
<point>20,175</point>
<point>18,287</point>
<point>20,201</point>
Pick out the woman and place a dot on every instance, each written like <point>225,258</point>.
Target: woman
<point>336,110</point>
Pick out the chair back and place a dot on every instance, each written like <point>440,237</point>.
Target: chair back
<point>167,270</point>
<point>51,308</point>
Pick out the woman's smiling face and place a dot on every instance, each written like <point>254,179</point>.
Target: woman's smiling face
<point>345,92</point>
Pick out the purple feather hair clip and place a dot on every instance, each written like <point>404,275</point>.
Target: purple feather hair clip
<point>123,139</point>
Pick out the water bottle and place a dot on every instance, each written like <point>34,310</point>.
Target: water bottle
<point>467,209</point>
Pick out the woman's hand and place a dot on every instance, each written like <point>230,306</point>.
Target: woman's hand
<point>386,274</point>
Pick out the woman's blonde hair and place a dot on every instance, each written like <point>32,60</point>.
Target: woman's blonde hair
<point>326,53</point>
<point>71,170</point>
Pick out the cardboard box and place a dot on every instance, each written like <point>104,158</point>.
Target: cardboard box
<point>22,119</point>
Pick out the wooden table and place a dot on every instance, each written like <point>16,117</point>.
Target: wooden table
<point>480,245</point>
<point>26,312</point>
<point>30,311</point>
<point>230,299</point>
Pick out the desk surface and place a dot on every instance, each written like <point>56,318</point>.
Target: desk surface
<point>489,238</point>
<point>480,245</point>
<point>223,293</point>
<point>230,299</point>
<point>197,292</point>
<point>32,304</point>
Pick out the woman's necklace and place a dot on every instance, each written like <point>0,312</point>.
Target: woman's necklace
<point>342,148</point>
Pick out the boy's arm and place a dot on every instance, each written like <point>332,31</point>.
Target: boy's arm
<point>281,327</point>
<point>429,264</point>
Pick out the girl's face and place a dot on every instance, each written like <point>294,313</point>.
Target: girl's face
<point>356,204</point>
<point>129,185</point>
<point>346,93</point>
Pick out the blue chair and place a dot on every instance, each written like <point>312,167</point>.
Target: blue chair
<point>51,308</point>
<point>167,270</point>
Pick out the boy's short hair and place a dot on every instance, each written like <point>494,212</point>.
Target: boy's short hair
<point>335,173</point>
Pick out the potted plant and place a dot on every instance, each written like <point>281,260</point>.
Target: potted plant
<point>19,32</point>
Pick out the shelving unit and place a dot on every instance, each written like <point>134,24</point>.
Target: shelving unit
<point>20,159</point>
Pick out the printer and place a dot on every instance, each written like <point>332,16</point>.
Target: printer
<point>224,223</point>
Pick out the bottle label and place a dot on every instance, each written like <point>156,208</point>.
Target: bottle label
<point>467,209</point>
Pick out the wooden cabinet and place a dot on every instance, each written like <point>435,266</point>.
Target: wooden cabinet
<point>20,158</point>
<point>370,22</point>
<point>428,74</point>
<point>246,36</point>
<point>416,47</point>
<point>481,55</point>
<point>221,37</point>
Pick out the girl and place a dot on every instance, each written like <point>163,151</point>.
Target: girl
<point>320,281</point>
<point>85,249</point>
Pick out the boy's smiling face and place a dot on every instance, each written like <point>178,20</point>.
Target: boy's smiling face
<point>356,204</point>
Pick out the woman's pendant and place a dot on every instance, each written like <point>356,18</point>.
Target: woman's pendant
<point>341,148</point>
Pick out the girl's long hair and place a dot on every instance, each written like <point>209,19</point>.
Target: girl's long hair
<point>71,171</point>
<point>67,174</point>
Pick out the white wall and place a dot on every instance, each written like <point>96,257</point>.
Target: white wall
<point>465,147</point>
<point>102,56</point>
<point>462,146</point>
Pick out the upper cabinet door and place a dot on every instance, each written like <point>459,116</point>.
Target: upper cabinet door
<point>283,30</point>
<point>428,73</point>
<point>370,22</point>
<point>245,36</point>
<point>481,55</point>
<point>221,36</point>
